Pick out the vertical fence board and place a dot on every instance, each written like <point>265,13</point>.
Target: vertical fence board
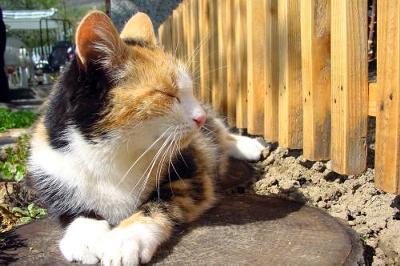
<point>256,65</point>
<point>387,155</point>
<point>214,73</point>
<point>290,90</point>
<point>187,44</point>
<point>221,93</point>
<point>271,107</point>
<point>241,66</point>
<point>165,34</point>
<point>349,86</point>
<point>231,57</point>
<point>204,50</point>
<point>175,33</point>
<point>195,38</point>
<point>316,78</point>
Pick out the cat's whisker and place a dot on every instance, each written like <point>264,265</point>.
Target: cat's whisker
<point>150,168</point>
<point>152,161</point>
<point>161,163</point>
<point>141,156</point>
<point>197,50</point>
<point>179,148</point>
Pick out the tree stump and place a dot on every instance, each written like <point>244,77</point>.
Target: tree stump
<point>241,230</point>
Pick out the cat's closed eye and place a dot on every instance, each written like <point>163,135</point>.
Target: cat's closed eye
<point>169,95</point>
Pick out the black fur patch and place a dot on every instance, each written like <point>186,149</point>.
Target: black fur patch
<point>81,99</point>
<point>55,196</point>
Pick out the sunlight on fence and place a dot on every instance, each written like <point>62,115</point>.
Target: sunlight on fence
<point>294,73</point>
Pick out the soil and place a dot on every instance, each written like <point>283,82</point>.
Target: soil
<point>374,214</point>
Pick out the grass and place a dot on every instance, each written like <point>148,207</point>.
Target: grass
<point>15,119</point>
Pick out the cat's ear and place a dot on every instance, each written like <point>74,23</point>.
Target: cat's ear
<point>139,27</point>
<point>97,41</point>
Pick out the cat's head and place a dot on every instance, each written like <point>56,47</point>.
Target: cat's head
<point>143,89</point>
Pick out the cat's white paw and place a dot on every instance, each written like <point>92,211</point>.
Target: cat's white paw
<point>81,242</point>
<point>245,148</point>
<point>132,245</point>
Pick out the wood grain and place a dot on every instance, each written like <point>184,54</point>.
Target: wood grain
<point>231,62</point>
<point>271,106</point>
<point>316,78</point>
<point>290,90</point>
<point>349,86</point>
<point>387,155</point>
<point>240,17</point>
<point>204,50</point>
<point>256,65</point>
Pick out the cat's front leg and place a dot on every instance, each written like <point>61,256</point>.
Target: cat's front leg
<point>244,148</point>
<point>136,239</point>
<point>82,241</point>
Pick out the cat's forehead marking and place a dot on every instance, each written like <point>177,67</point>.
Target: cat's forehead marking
<point>183,81</point>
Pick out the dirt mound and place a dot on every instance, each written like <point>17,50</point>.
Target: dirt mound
<point>374,214</point>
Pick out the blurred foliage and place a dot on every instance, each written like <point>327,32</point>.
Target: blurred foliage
<point>15,119</point>
<point>13,161</point>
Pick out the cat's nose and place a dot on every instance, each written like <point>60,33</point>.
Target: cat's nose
<point>199,119</point>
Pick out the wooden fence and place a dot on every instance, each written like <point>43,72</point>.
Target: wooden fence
<point>294,73</point>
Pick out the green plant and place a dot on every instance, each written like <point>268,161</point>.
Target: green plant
<point>15,119</point>
<point>27,214</point>
<point>13,167</point>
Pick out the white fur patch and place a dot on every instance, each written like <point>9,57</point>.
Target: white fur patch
<point>132,245</point>
<point>82,240</point>
<point>245,148</point>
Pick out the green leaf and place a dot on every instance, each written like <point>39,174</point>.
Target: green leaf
<point>21,211</point>
<point>25,220</point>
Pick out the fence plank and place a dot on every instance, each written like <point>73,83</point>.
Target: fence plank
<point>214,71</point>
<point>256,65</point>
<point>387,155</point>
<point>195,38</point>
<point>271,107</point>
<point>186,31</point>
<point>231,57</point>
<point>221,93</point>
<point>241,66</point>
<point>349,86</point>
<point>165,34</point>
<point>290,90</point>
<point>316,78</point>
<point>175,32</point>
<point>204,50</point>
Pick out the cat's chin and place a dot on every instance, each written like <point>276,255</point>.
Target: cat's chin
<point>188,138</point>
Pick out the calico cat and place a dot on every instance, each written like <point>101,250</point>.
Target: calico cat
<point>125,152</point>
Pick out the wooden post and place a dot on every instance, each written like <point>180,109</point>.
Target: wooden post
<point>194,55</point>
<point>316,73</point>
<point>175,36</point>
<point>241,66</point>
<point>165,34</point>
<point>256,65</point>
<point>290,90</point>
<point>204,50</point>
<point>220,93</point>
<point>271,107</point>
<point>214,67</point>
<point>231,63</point>
<point>349,86</point>
<point>186,32</point>
<point>387,155</point>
